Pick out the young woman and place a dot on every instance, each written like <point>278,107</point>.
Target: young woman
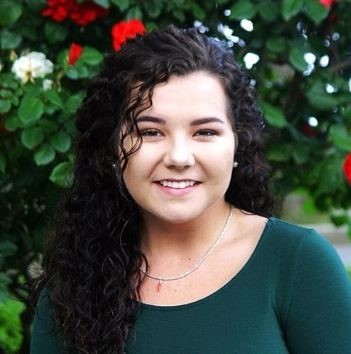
<point>166,243</point>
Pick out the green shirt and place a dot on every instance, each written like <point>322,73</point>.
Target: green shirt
<point>292,296</point>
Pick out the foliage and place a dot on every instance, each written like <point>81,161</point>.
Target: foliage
<point>300,64</point>
<point>10,326</point>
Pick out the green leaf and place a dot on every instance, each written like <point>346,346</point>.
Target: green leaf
<point>91,56</point>
<point>276,44</point>
<point>102,3</point>
<point>62,174</point>
<point>330,176</point>
<point>346,112</point>
<point>79,71</point>
<point>153,8</point>
<point>32,137</point>
<point>48,126</point>
<point>198,11</point>
<point>121,4</point>
<point>30,109</point>
<point>242,9</point>
<point>291,7</point>
<point>14,100</point>
<point>3,162</point>
<point>4,93</point>
<point>10,12</point>
<point>296,58</point>
<point>5,106</point>
<point>179,15</point>
<point>44,155</point>
<point>339,219</point>
<point>53,97</point>
<point>61,141</point>
<point>340,137</point>
<point>5,280</point>
<point>268,10</point>
<point>12,123</point>
<point>319,98</point>
<point>300,153</point>
<point>7,248</point>
<point>73,102</point>
<point>134,12</point>
<point>9,40</point>
<point>273,115</point>
<point>279,152</point>
<point>8,81</point>
<point>55,32</point>
<point>316,11</point>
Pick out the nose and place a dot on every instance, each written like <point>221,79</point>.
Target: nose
<point>179,154</point>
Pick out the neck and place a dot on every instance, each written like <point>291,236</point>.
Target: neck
<point>164,240</point>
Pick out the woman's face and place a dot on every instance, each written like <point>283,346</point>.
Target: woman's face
<point>185,161</point>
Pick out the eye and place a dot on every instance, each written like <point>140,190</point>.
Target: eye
<point>206,133</point>
<point>150,133</point>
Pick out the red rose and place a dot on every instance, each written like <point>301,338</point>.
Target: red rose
<point>347,167</point>
<point>58,10</point>
<point>87,12</point>
<point>75,51</point>
<point>327,3</point>
<point>80,13</point>
<point>126,29</point>
<point>309,131</point>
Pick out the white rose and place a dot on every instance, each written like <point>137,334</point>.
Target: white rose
<point>31,66</point>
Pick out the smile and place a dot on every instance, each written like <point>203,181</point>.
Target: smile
<point>177,184</point>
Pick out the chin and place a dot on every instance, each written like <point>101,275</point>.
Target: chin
<point>174,216</point>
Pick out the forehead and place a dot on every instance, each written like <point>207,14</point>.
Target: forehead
<point>198,93</point>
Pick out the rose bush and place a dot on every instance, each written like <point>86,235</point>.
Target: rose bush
<point>297,52</point>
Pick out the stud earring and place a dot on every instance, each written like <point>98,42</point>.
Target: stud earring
<point>235,164</point>
<point>114,166</point>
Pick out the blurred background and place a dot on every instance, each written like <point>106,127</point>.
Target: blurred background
<point>297,53</point>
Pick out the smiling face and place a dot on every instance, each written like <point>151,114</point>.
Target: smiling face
<point>184,164</point>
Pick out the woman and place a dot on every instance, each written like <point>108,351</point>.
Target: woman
<point>166,243</point>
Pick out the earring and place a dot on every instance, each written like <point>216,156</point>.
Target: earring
<point>114,166</point>
<point>235,164</point>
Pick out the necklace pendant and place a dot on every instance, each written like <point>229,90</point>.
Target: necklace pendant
<point>159,284</point>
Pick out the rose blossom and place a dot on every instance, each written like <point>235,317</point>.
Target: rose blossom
<point>31,66</point>
<point>327,3</point>
<point>347,167</point>
<point>126,29</point>
<point>87,12</point>
<point>80,13</point>
<point>75,51</point>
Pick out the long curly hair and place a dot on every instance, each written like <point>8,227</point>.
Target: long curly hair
<point>92,256</point>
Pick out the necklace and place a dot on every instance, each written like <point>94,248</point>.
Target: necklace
<point>197,265</point>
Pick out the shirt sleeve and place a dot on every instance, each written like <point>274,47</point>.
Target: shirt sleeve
<point>43,338</point>
<point>319,314</point>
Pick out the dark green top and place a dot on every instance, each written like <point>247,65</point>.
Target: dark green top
<point>292,296</point>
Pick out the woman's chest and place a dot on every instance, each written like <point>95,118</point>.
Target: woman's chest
<point>240,327</point>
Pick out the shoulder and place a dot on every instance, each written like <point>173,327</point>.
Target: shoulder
<point>305,247</point>
<point>286,233</point>
<point>45,337</point>
<point>42,314</point>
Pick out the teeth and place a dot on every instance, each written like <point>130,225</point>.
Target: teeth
<point>177,185</point>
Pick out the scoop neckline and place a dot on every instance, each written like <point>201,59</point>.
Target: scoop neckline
<point>238,275</point>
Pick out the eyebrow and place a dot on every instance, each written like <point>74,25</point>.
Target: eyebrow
<point>195,122</point>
